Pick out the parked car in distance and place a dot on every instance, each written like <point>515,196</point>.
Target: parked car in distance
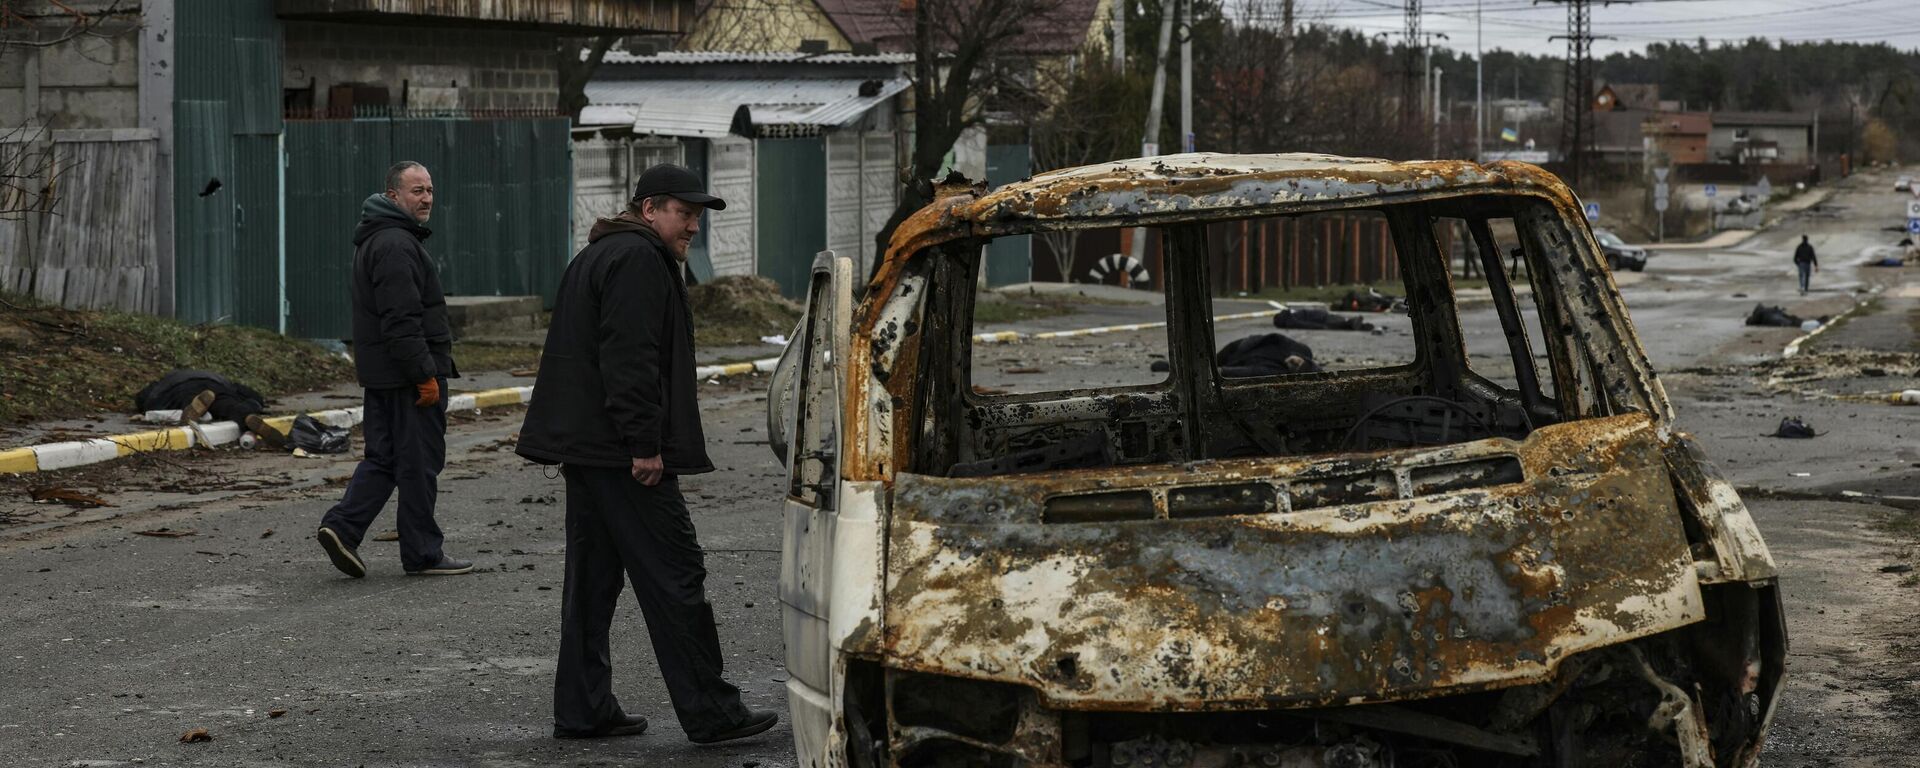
<point>1619,254</point>
<point>1903,184</point>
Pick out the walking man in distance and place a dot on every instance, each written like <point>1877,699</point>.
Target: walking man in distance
<point>1804,260</point>
<point>616,405</point>
<point>403,355</point>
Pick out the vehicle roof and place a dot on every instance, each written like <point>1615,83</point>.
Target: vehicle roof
<point>1200,186</point>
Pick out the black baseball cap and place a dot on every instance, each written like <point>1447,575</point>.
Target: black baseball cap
<point>670,179</point>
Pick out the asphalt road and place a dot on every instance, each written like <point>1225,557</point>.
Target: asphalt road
<point>113,643</point>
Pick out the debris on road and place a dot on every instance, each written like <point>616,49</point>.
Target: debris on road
<point>313,437</point>
<point>168,533</point>
<point>1793,428</point>
<point>266,533</point>
<point>196,736</point>
<point>1896,568</point>
<point>387,536</point>
<point>67,496</point>
<point>739,310</point>
<point>277,712</point>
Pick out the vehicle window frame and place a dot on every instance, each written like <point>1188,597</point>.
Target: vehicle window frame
<point>1420,354</point>
<point>1168,384</point>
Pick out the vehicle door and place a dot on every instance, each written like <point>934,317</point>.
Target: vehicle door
<point>807,403</point>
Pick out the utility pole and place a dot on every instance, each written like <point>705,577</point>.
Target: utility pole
<point>1186,75</point>
<point>1576,111</point>
<point>1409,101</point>
<point>1150,146</point>
<point>1479,86</point>
<point>1120,35</point>
<point>1432,87</point>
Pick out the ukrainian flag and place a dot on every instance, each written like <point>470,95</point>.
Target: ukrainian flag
<point>1509,134</point>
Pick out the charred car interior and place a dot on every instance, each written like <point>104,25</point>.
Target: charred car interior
<point>1510,559</point>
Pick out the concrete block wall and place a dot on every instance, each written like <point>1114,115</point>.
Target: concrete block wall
<point>89,81</point>
<point>436,67</point>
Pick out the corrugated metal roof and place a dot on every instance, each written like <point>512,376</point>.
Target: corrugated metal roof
<point>744,57</point>
<point>706,107</point>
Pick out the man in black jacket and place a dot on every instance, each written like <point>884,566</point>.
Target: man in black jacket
<point>1806,262</point>
<point>616,404</point>
<point>403,355</point>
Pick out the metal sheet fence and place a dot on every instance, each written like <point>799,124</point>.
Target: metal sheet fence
<point>502,206</point>
<point>92,245</point>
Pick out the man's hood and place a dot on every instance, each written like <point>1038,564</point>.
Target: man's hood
<point>625,222</point>
<point>381,212</point>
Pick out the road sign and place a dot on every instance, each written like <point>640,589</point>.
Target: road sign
<point>1660,175</point>
<point>1149,149</point>
<point>1660,191</point>
<point>1660,204</point>
<point>1593,211</point>
<point>1913,209</point>
<point>1713,190</point>
<point>1913,226</point>
<point>1189,142</point>
<point>1765,187</point>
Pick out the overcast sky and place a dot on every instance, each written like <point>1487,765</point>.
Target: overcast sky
<point>1524,25</point>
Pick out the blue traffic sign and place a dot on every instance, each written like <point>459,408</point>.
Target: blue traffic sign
<point>1593,211</point>
<point>1712,190</point>
<point>1913,226</point>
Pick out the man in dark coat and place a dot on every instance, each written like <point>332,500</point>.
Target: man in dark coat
<point>197,393</point>
<point>403,355</point>
<point>1805,262</point>
<point>616,404</point>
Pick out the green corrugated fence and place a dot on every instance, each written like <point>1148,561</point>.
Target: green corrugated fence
<point>501,222</point>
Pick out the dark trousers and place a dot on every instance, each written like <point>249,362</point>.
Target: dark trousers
<point>406,449</point>
<point>618,528</point>
<point>230,408</point>
<point>1806,273</point>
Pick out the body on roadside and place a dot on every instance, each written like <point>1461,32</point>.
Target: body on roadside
<point>1805,262</point>
<point>198,393</point>
<point>616,404</point>
<point>403,358</point>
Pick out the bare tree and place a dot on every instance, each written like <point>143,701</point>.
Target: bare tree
<point>577,65</point>
<point>964,52</point>
<point>1092,118</point>
<point>30,168</point>
<point>745,25</point>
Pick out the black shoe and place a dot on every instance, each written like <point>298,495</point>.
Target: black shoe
<point>343,556</point>
<point>625,725</point>
<point>756,723</point>
<point>446,567</point>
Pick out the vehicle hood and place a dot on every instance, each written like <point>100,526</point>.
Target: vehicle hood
<point>1374,577</point>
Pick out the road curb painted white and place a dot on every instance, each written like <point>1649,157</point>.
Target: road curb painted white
<point>51,456</point>
<point>65,455</point>
<point>1793,347</point>
<point>1007,337</point>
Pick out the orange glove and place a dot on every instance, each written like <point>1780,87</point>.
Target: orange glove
<point>429,393</point>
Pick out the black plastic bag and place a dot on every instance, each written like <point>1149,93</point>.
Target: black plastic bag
<point>314,437</point>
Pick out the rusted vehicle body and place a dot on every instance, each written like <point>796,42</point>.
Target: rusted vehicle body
<point>1410,565</point>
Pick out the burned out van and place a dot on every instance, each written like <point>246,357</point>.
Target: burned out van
<point>1428,563</point>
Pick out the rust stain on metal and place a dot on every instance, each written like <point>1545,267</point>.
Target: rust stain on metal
<point>1543,569</point>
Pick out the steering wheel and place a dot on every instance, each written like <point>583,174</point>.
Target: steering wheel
<point>1458,407</point>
